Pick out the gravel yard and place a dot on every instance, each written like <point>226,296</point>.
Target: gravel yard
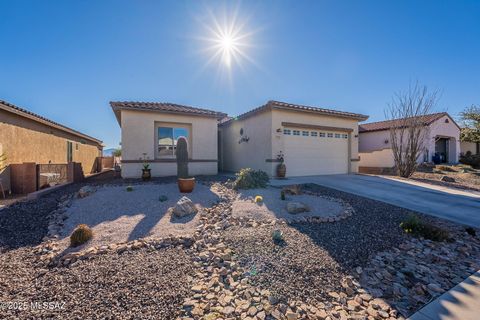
<point>117,215</point>
<point>225,264</point>
<point>273,207</point>
<point>130,285</point>
<point>317,255</point>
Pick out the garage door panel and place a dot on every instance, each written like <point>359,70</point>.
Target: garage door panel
<point>307,155</point>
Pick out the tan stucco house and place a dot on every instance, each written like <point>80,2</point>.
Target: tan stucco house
<point>150,131</point>
<point>29,137</point>
<point>443,139</point>
<point>313,140</point>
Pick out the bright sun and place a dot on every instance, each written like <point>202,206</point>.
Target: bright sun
<point>227,40</point>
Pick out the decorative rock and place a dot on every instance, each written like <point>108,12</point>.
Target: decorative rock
<point>184,207</point>
<point>85,191</point>
<point>448,179</point>
<point>297,207</point>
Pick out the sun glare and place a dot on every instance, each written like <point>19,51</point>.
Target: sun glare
<point>227,40</point>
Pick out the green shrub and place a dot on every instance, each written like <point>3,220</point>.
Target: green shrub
<point>277,235</point>
<point>80,235</point>
<point>471,231</point>
<point>251,179</point>
<point>163,198</point>
<point>470,159</point>
<point>417,227</point>
<point>129,188</point>
<point>282,195</point>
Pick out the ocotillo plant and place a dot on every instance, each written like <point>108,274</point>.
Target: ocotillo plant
<point>182,158</point>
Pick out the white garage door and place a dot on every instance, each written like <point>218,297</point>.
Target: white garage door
<point>309,152</point>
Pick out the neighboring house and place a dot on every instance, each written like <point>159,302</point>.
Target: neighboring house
<point>150,132</point>
<point>443,139</point>
<point>313,140</point>
<point>28,137</point>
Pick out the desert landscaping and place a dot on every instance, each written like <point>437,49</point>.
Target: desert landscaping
<point>298,252</point>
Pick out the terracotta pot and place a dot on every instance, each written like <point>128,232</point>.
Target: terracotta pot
<point>281,170</point>
<point>146,175</point>
<point>186,185</point>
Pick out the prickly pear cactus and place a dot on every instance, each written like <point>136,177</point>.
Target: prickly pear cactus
<point>182,158</point>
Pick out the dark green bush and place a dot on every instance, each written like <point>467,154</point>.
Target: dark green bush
<point>282,195</point>
<point>471,231</point>
<point>248,178</point>
<point>419,228</point>
<point>470,159</point>
<point>80,235</point>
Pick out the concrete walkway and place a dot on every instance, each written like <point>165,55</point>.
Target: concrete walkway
<point>452,204</point>
<point>462,302</point>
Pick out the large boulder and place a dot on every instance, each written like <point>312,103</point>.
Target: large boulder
<point>184,207</point>
<point>297,207</point>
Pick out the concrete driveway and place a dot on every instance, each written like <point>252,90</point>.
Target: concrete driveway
<point>452,204</point>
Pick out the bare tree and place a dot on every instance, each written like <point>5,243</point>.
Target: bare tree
<point>408,132</point>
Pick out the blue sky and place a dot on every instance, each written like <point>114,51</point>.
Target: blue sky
<point>67,59</point>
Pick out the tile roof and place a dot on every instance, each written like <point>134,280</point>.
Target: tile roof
<point>386,125</point>
<point>25,113</point>
<point>163,107</point>
<point>273,104</point>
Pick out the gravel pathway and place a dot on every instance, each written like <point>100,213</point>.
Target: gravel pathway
<point>107,287</point>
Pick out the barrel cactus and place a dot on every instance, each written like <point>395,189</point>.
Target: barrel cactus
<point>182,158</point>
<point>80,235</point>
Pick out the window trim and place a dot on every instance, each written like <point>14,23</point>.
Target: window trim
<point>173,125</point>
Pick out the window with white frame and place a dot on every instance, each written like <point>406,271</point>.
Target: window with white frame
<point>305,133</point>
<point>322,134</point>
<point>287,131</point>
<point>314,133</point>
<point>167,140</point>
<point>330,135</point>
<point>296,132</point>
<point>337,135</point>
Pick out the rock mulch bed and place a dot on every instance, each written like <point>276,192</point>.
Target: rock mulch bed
<point>319,209</point>
<point>141,283</point>
<point>117,215</point>
<point>420,270</point>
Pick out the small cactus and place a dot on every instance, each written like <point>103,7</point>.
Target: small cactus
<point>277,235</point>
<point>182,158</point>
<point>80,235</point>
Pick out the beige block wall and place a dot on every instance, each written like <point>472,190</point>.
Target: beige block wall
<point>4,173</point>
<point>279,116</point>
<point>468,146</point>
<point>138,137</point>
<point>251,154</point>
<point>25,140</point>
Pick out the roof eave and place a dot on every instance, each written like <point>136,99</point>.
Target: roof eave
<point>33,117</point>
